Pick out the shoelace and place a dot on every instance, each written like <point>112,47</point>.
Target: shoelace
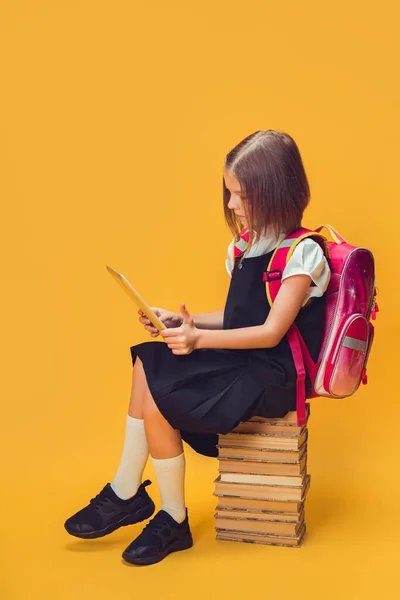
<point>99,500</point>
<point>156,528</point>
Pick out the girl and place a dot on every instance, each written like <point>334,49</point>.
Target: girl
<point>217,369</point>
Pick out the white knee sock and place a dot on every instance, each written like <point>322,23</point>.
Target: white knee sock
<point>170,473</point>
<point>133,460</point>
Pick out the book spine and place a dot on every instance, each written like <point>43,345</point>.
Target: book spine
<point>263,482</point>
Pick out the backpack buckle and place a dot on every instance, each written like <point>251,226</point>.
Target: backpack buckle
<point>273,275</point>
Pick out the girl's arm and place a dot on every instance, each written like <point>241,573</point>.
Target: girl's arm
<point>213,320</point>
<point>281,316</point>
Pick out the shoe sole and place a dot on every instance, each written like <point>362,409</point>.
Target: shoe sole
<point>183,544</point>
<point>140,515</point>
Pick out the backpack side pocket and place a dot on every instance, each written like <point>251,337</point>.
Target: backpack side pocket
<point>347,358</point>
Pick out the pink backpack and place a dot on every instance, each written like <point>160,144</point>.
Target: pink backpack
<point>348,332</point>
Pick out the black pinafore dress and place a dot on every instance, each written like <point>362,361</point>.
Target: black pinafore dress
<point>210,391</point>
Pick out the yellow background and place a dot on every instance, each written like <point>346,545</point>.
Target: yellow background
<point>115,118</point>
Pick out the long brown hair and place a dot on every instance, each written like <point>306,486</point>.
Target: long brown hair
<point>274,186</point>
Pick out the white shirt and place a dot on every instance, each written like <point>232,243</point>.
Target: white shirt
<point>307,258</point>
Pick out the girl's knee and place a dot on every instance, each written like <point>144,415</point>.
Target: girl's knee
<point>149,406</point>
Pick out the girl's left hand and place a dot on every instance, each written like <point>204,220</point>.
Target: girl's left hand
<point>183,339</point>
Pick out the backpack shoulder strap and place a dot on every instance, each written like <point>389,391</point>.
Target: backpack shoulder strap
<point>281,256</point>
<point>272,278</point>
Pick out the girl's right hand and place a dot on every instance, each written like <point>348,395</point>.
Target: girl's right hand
<point>170,319</point>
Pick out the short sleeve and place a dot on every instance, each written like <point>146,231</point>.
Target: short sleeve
<point>229,262</point>
<point>308,259</point>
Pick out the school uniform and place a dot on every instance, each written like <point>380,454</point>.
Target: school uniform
<point>210,391</point>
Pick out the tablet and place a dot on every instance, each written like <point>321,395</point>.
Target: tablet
<point>138,300</point>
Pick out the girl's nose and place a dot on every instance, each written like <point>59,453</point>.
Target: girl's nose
<point>233,202</point>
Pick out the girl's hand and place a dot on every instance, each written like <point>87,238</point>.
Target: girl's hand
<point>183,339</point>
<point>170,319</point>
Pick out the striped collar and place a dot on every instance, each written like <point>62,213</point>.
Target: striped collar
<point>265,244</point>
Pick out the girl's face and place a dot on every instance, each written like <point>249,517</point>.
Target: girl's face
<point>235,202</point>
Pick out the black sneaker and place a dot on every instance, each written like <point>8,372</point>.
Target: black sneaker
<point>107,512</point>
<point>161,536</point>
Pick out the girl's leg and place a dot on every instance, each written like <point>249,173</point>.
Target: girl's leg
<point>127,501</point>
<point>168,459</point>
<point>136,450</point>
<point>169,530</point>
<point>139,388</point>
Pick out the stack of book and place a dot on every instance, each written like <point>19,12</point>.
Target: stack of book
<point>263,482</point>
